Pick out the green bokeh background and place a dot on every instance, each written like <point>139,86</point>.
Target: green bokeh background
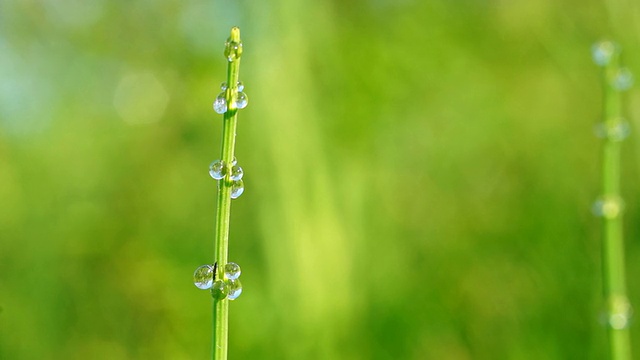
<point>419,178</point>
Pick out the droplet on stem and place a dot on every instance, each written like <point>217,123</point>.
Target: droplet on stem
<point>603,51</point>
<point>237,188</point>
<point>234,289</point>
<point>240,86</point>
<point>203,277</point>
<point>242,100</point>
<point>220,104</point>
<point>608,207</point>
<point>236,173</point>
<point>219,290</point>
<point>232,271</point>
<point>223,86</point>
<point>623,79</point>
<point>217,169</point>
<point>616,130</point>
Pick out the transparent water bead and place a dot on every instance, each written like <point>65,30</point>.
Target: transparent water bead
<point>220,104</point>
<point>623,79</point>
<point>203,277</point>
<point>237,188</point>
<point>219,290</point>
<point>235,289</point>
<point>217,169</point>
<point>233,50</point>
<point>608,207</point>
<point>617,130</point>
<point>223,86</point>
<point>232,271</point>
<point>234,161</point>
<point>236,173</point>
<point>603,51</point>
<point>242,100</point>
<point>240,86</point>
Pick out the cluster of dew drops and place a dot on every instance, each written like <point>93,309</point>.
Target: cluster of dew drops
<point>241,100</point>
<point>615,130</point>
<point>229,286</point>
<point>218,170</point>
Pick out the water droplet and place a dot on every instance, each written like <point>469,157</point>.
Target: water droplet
<point>603,52</point>
<point>219,290</point>
<point>237,188</point>
<point>242,100</point>
<point>232,271</point>
<point>236,173</point>
<point>234,161</point>
<point>619,313</point>
<point>608,207</point>
<point>616,130</point>
<point>203,277</point>
<point>217,170</point>
<point>240,86</point>
<point>623,79</point>
<point>220,104</point>
<point>232,50</point>
<point>223,86</point>
<point>235,289</point>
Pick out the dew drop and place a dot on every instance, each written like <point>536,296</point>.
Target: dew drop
<point>240,86</point>
<point>617,130</point>
<point>234,161</point>
<point>623,79</point>
<point>203,277</point>
<point>232,271</point>
<point>236,173</point>
<point>233,50</point>
<point>602,52</point>
<point>234,288</point>
<point>220,104</point>
<point>223,86</point>
<point>237,188</point>
<point>217,170</point>
<point>219,290</point>
<point>242,100</point>
<point>608,207</point>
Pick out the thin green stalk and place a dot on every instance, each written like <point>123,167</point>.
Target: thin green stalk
<point>233,51</point>
<point>611,206</point>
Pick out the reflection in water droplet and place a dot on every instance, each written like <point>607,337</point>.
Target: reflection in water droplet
<point>217,170</point>
<point>234,161</point>
<point>603,52</point>
<point>220,104</point>
<point>203,277</point>
<point>219,290</point>
<point>240,86</point>
<point>237,188</point>
<point>608,207</point>
<point>236,173</point>
<point>623,79</point>
<point>242,100</point>
<point>232,271</point>
<point>223,86</point>
<point>235,289</point>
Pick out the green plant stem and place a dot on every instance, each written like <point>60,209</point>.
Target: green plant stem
<point>221,306</point>
<point>618,309</point>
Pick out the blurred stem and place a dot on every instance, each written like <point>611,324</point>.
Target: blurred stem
<point>618,309</point>
<point>233,50</point>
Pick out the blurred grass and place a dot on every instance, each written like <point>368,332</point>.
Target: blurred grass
<point>419,179</point>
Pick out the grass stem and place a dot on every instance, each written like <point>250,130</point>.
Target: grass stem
<point>233,50</point>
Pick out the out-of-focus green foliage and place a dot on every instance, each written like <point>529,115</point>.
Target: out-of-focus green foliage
<point>419,176</point>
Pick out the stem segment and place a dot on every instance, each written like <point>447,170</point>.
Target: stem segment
<point>618,308</point>
<point>233,50</point>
